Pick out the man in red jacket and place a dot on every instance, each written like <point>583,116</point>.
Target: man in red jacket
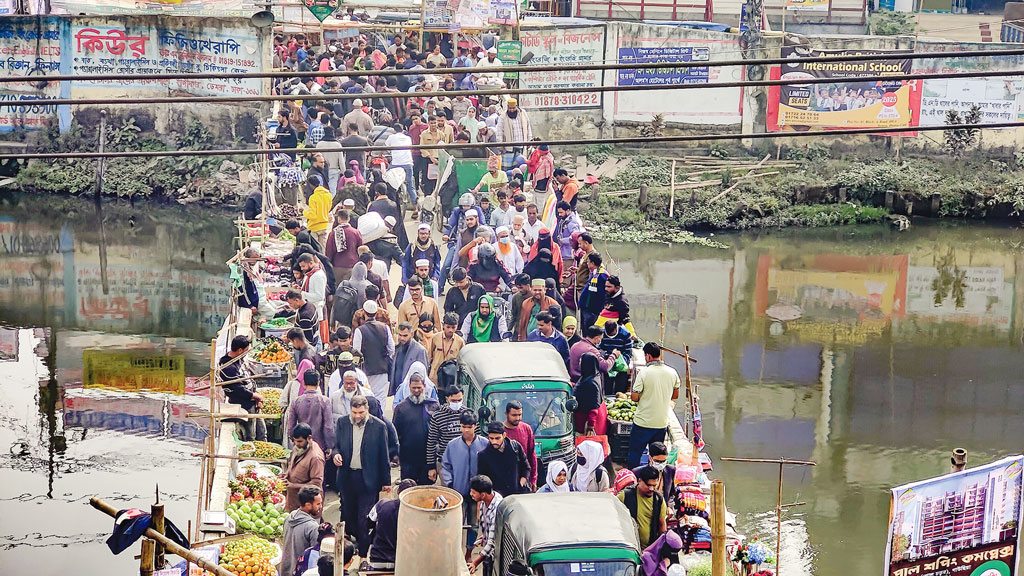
<point>342,246</point>
<point>521,432</point>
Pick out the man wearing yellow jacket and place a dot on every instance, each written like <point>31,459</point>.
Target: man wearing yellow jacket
<point>318,215</point>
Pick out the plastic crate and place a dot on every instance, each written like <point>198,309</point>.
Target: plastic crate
<point>620,448</point>
<point>619,427</point>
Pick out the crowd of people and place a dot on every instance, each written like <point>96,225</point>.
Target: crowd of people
<point>500,273</point>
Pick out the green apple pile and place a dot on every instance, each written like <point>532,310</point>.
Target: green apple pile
<point>621,408</point>
<point>263,519</point>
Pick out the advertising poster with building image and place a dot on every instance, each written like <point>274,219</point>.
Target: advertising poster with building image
<point>965,523</point>
<point>847,103</point>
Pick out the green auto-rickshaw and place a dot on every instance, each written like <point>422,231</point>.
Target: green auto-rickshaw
<point>493,373</point>
<point>580,533</point>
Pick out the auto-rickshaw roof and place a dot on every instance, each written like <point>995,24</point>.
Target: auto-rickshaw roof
<point>490,362</point>
<point>541,522</point>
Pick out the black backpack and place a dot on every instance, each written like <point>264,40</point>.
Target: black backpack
<point>346,302</point>
<point>447,375</point>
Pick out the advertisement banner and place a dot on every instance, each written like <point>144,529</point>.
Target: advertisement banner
<point>133,372</point>
<point>437,15</point>
<point>965,523</point>
<point>998,98</point>
<point>509,52</point>
<point>646,44</point>
<point>503,12</point>
<point>568,46</point>
<point>847,103</point>
<point>808,5</point>
<point>662,76</point>
<point>29,47</point>
<point>151,50</point>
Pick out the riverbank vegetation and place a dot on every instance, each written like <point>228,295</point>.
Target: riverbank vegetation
<point>816,189</point>
<point>209,180</point>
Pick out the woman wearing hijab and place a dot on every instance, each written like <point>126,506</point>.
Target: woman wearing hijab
<point>591,413</point>
<point>487,270</point>
<point>661,558</point>
<point>470,124</point>
<point>484,325</point>
<point>541,266</point>
<point>558,478</point>
<point>551,287</point>
<point>590,473</point>
<point>510,256</point>
<point>403,389</point>
<point>569,328</point>
<point>545,242</point>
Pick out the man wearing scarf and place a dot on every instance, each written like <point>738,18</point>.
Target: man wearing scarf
<point>407,352</point>
<point>411,418</point>
<point>343,246</point>
<point>484,325</point>
<point>423,248</point>
<point>430,286</point>
<point>592,298</point>
<point>466,238</point>
<point>540,302</point>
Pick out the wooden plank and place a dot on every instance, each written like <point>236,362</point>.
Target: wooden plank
<point>581,167</point>
<point>737,183</point>
<point>621,165</point>
<point>672,191</point>
<point>608,164</point>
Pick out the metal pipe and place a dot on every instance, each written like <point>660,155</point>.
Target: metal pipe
<point>569,142</point>
<point>503,92</point>
<point>513,68</point>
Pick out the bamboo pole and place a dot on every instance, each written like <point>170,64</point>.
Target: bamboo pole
<point>738,180</point>
<point>157,523</point>
<point>169,544</point>
<point>719,560</point>
<point>672,191</point>
<point>243,416</point>
<point>148,557</point>
<point>689,391</point>
<point>339,549</point>
<point>226,457</point>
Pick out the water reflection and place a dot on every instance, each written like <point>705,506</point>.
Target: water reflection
<point>63,340</point>
<point>871,352</point>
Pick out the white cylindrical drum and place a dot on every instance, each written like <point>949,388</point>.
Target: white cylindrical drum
<point>429,539</point>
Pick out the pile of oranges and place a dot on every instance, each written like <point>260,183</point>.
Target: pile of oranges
<point>249,557</point>
<point>273,353</point>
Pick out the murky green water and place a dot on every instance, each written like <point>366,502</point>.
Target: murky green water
<point>896,347</point>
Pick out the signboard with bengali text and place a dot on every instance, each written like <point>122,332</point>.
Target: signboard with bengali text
<point>564,46</point>
<point>961,524</point>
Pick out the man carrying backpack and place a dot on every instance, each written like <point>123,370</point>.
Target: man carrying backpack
<point>647,506</point>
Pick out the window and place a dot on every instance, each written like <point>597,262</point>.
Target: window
<point>543,410</point>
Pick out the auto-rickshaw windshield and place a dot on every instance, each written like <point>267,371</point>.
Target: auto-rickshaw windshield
<point>589,568</point>
<point>543,410</point>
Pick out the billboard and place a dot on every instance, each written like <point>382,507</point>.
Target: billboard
<point>562,46</point>
<point>847,103</point>
<point>664,76</point>
<point>998,98</point>
<point>964,523</point>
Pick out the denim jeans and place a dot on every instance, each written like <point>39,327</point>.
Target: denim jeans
<point>410,186</point>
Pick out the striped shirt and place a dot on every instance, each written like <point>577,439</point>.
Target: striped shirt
<point>442,428</point>
<point>488,515</point>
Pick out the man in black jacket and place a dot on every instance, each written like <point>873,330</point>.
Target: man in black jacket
<point>302,236</point>
<point>306,316</point>
<point>411,419</point>
<point>241,390</point>
<point>504,462</point>
<point>361,455</point>
<point>464,298</point>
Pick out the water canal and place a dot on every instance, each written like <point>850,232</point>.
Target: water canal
<point>896,348</point>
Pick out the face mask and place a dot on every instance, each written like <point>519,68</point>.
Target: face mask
<point>659,466</point>
<point>455,405</point>
<point>581,459</point>
<point>504,240</point>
